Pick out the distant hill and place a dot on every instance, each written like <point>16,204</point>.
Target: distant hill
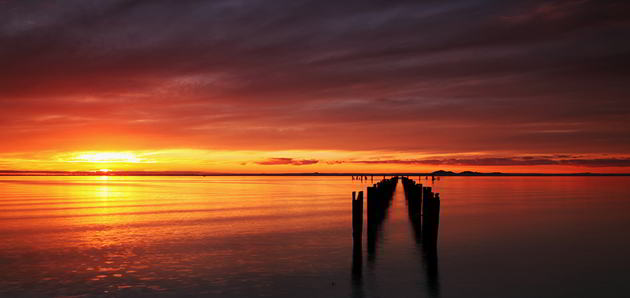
<point>444,173</point>
<point>469,173</point>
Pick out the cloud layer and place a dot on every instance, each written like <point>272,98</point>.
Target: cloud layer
<point>505,161</point>
<point>508,77</point>
<point>287,161</point>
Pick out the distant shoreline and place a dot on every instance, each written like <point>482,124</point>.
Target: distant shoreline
<point>196,174</point>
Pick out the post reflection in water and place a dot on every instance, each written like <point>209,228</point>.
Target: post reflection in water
<point>424,221</point>
<point>376,218</point>
<point>357,237</point>
<point>357,267</point>
<point>425,229</point>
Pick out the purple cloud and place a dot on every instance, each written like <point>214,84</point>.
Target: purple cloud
<point>506,161</point>
<point>287,161</point>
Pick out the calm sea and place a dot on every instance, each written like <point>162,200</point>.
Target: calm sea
<point>292,237</point>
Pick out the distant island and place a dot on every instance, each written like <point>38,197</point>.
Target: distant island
<point>196,173</point>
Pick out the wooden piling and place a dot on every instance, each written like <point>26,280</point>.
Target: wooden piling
<point>357,215</point>
<point>427,197</point>
<point>371,200</point>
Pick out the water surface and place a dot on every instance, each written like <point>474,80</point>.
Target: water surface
<point>292,236</point>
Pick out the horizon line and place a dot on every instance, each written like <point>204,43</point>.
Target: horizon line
<point>201,173</point>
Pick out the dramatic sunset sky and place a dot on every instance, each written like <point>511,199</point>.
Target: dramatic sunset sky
<point>301,86</point>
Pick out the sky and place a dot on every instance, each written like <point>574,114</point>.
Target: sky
<point>259,86</point>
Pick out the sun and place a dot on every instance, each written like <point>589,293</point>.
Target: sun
<point>104,170</point>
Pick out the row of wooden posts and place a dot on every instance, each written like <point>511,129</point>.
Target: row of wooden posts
<point>424,212</point>
<point>363,177</point>
<point>379,197</point>
<point>422,203</point>
<point>423,207</point>
<point>421,199</point>
<point>366,178</point>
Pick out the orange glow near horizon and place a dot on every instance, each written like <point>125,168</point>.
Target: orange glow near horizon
<point>296,161</point>
<point>108,157</point>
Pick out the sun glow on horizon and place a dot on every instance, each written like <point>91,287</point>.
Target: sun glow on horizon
<point>107,157</point>
<point>302,161</point>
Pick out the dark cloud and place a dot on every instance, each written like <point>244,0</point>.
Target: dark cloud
<point>287,161</point>
<point>598,162</point>
<point>432,76</point>
<point>505,161</point>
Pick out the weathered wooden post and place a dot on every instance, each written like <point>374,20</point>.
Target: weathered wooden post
<point>431,221</point>
<point>371,199</point>
<point>427,195</point>
<point>418,194</point>
<point>372,221</point>
<point>357,215</point>
<point>436,207</point>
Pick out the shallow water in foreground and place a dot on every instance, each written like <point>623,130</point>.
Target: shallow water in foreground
<point>292,237</point>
